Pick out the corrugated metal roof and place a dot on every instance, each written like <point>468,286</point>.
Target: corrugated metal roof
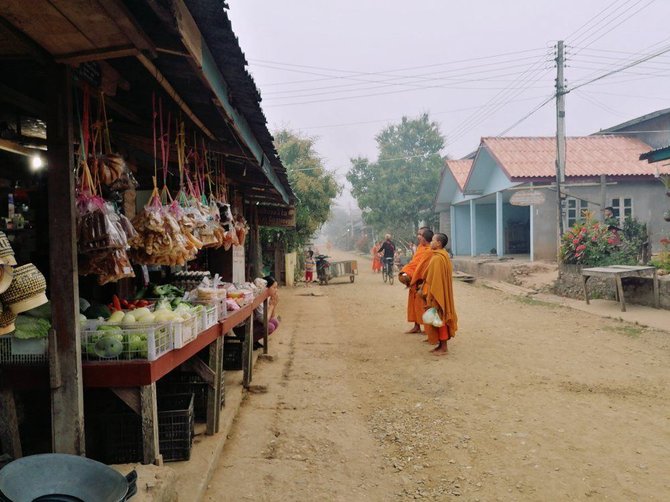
<point>658,155</point>
<point>535,157</point>
<point>460,170</point>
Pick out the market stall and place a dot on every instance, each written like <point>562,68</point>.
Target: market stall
<point>154,170</point>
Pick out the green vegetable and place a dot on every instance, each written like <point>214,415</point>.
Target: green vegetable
<point>28,327</point>
<point>41,312</point>
<point>167,290</point>
<point>108,346</point>
<point>97,310</point>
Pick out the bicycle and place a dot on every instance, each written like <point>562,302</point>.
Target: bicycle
<point>387,270</point>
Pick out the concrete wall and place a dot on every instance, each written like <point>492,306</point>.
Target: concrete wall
<point>544,231</point>
<point>445,223</point>
<point>462,231</point>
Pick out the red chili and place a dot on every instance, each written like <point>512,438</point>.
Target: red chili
<point>116,302</point>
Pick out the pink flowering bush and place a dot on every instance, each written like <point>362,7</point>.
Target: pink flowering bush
<point>587,243</point>
<point>592,243</point>
<point>662,260</point>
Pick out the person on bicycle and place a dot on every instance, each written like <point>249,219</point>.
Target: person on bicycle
<point>387,252</point>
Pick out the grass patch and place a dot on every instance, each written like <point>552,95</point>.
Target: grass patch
<point>529,300</point>
<point>628,330</point>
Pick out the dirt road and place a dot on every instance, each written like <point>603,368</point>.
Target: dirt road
<point>533,402</point>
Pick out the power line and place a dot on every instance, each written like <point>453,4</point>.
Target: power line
<point>363,73</point>
<point>400,118</point>
<point>592,40</point>
<point>574,33</point>
<point>452,75</point>
<point>528,115</point>
<point>452,85</point>
<point>625,67</point>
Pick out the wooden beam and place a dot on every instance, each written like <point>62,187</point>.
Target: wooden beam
<point>205,65</point>
<point>130,396</point>
<point>27,104</point>
<point>199,366</point>
<point>160,78</point>
<point>98,54</point>
<point>14,147</point>
<point>67,402</point>
<point>124,19</point>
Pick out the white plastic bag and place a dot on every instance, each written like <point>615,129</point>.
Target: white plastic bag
<point>430,315</point>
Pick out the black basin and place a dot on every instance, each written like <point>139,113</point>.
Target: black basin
<point>56,477</point>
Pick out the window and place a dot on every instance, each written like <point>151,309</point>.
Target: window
<point>575,210</point>
<point>623,208</point>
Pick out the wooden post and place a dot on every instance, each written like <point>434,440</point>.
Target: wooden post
<point>619,288</point>
<point>9,427</point>
<point>149,416</point>
<point>214,388</point>
<point>585,278</point>
<point>67,402</point>
<point>266,306</point>
<point>248,351</point>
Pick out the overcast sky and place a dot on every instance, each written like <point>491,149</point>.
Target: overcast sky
<point>341,71</point>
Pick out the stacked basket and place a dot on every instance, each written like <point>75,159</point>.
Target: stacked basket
<point>22,288</point>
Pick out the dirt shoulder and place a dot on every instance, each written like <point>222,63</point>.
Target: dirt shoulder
<point>534,402</point>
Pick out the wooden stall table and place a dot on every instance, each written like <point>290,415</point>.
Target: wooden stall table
<point>618,272</point>
<point>135,381</point>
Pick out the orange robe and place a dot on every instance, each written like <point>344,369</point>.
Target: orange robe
<point>439,292</point>
<point>416,270</point>
<point>376,261</point>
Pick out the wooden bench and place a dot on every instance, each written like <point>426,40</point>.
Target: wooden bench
<point>618,272</point>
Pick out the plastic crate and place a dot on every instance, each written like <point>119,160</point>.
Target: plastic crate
<point>232,355</point>
<point>209,315</point>
<point>175,426</point>
<point>119,438</point>
<point>15,351</point>
<point>184,332</point>
<point>179,382</point>
<point>141,341</point>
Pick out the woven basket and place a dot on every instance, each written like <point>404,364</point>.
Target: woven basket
<point>6,276</point>
<point>7,318</point>
<point>6,251</point>
<point>27,290</point>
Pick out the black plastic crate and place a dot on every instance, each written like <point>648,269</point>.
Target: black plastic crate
<point>179,382</point>
<point>119,438</point>
<point>232,355</point>
<point>175,426</point>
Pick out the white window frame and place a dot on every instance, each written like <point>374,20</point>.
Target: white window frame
<point>577,211</point>
<point>618,203</point>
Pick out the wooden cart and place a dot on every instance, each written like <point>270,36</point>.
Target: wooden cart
<point>338,269</point>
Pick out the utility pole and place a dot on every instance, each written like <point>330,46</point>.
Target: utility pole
<point>560,137</point>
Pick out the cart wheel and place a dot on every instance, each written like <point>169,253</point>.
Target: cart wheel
<point>351,278</point>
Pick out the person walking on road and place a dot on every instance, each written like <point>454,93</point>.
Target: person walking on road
<point>438,291</point>
<point>413,275</point>
<point>376,261</point>
<point>310,267</point>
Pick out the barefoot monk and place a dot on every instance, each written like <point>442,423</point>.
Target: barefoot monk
<point>439,293</point>
<point>413,274</point>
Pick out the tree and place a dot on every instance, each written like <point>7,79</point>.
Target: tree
<point>397,191</point>
<point>314,187</point>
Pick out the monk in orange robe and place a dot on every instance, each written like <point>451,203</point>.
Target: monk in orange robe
<point>438,292</point>
<point>413,274</point>
<point>376,260</point>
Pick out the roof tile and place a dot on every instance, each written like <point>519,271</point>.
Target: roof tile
<point>460,169</point>
<point>535,157</point>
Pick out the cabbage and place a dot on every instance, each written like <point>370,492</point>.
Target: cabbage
<point>31,327</point>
